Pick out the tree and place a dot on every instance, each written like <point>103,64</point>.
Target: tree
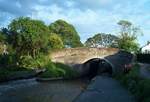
<point>55,42</point>
<point>2,38</point>
<point>28,36</point>
<point>128,36</point>
<point>128,43</point>
<point>2,42</point>
<point>67,33</point>
<point>102,40</point>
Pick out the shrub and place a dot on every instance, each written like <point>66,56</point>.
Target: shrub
<point>140,87</point>
<point>12,72</point>
<point>26,61</point>
<point>52,71</point>
<point>144,90</point>
<point>58,70</point>
<point>3,74</point>
<point>7,60</point>
<point>29,62</point>
<point>69,72</point>
<point>55,42</point>
<point>133,74</point>
<point>130,79</point>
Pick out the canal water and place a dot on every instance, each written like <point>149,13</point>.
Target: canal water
<point>29,90</point>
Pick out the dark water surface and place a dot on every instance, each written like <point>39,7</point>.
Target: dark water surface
<point>29,90</point>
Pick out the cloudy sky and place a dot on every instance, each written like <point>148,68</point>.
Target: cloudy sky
<point>88,16</point>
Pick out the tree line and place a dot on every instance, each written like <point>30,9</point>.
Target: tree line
<point>29,37</point>
<point>125,40</point>
<point>26,36</point>
<point>25,44</point>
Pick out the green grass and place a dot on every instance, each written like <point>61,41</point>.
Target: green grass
<point>69,72</point>
<point>54,70</point>
<point>139,87</point>
<point>27,64</point>
<point>8,73</point>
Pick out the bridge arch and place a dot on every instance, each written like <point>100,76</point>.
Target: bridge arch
<point>77,57</point>
<point>98,66</point>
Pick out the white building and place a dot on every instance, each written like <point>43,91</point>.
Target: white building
<point>146,49</point>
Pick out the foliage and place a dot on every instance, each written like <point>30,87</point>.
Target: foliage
<point>1,48</point>
<point>55,42</point>
<point>58,70</point>
<point>132,75</point>
<point>8,41</point>
<point>7,60</point>
<point>69,72</point>
<point>140,87</point>
<point>29,62</point>
<point>52,71</point>
<point>2,42</point>
<point>10,73</point>
<point>67,33</point>
<point>102,40</point>
<point>28,36</point>
<point>128,36</point>
<point>2,38</point>
<point>144,90</point>
<point>3,74</point>
<point>128,44</point>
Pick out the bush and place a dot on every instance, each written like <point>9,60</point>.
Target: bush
<point>7,60</point>
<point>144,90</point>
<point>69,72</point>
<point>58,70</point>
<point>52,71</point>
<point>12,72</point>
<point>29,62</point>
<point>130,79</point>
<point>138,86</point>
<point>4,74</point>
<point>55,42</point>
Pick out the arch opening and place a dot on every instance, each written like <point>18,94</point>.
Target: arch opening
<point>97,66</point>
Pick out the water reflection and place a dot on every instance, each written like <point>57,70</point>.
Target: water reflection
<point>32,91</point>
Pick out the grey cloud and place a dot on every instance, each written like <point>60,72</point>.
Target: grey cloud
<point>26,7</point>
<point>16,7</point>
<point>105,11</point>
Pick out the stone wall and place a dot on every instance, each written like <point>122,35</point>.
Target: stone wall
<point>76,57</point>
<point>73,56</point>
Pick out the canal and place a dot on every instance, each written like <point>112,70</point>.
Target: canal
<point>30,90</point>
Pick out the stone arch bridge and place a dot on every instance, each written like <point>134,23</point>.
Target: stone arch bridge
<point>80,59</point>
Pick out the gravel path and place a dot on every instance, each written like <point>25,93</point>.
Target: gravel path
<point>105,89</point>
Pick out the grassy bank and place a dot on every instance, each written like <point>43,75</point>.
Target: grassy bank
<point>54,70</point>
<point>25,66</point>
<point>7,74</point>
<point>139,87</point>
